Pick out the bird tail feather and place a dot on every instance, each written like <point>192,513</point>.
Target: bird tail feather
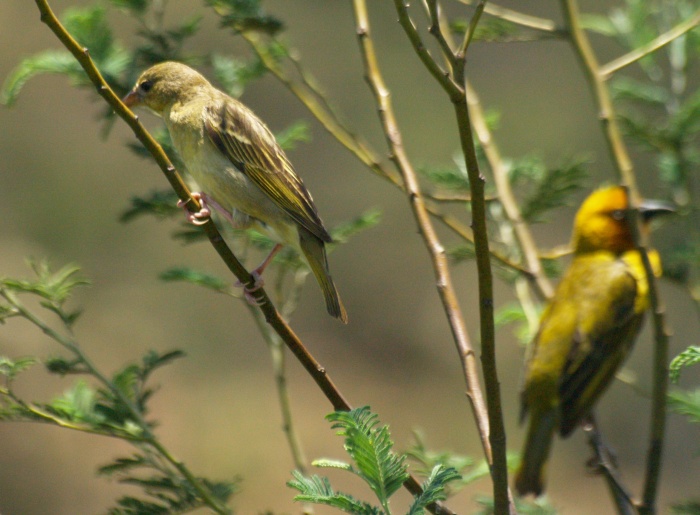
<point>315,252</point>
<point>529,478</point>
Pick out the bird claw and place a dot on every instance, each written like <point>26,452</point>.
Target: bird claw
<point>248,291</point>
<point>200,217</point>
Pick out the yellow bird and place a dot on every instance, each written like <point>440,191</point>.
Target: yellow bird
<point>243,172</point>
<point>588,328</point>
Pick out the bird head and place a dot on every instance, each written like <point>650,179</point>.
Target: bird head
<point>164,84</point>
<point>602,222</point>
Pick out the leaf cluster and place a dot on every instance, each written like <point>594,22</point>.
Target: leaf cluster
<point>373,460</point>
<point>116,407</point>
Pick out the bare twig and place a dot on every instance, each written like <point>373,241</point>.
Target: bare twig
<point>454,86</point>
<point>413,190</point>
<point>607,70</point>
<point>604,462</point>
<point>526,243</point>
<point>524,20</point>
<point>625,170</point>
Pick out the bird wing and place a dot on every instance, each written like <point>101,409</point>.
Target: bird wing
<point>252,148</point>
<point>607,324</point>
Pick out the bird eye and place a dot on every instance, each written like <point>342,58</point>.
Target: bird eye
<point>146,86</point>
<point>618,214</point>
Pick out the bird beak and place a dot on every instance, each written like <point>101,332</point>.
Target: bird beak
<point>132,99</point>
<point>651,208</point>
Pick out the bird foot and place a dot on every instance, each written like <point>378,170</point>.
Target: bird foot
<point>200,217</point>
<point>248,291</point>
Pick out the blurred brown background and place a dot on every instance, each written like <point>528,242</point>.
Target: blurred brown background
<point>63,188</point>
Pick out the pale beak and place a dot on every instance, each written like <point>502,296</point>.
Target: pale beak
<point>132,99</point>
<point>650,208</point>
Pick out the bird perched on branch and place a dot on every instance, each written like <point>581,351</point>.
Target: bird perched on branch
<point>588,328</point>
<point>242,171</point>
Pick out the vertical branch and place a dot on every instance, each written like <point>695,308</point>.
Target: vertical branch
<point>505,194</point>
<point>591,68</point>
<point>455,87</point>
<point>427,231</point>
<point>596,77</point>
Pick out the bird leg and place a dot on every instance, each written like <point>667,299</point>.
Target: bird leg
<point>257,276</point>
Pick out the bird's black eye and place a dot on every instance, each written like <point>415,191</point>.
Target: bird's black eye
<point>146,86</point>
<point>618,214</point>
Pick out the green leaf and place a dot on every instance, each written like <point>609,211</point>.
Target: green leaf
<point>51,61</point>
<point>341,233</point>
<point>626,88</point>
<point>78,404</point>
<point>298,132</point>
<point>333,464</point>
<point>12,368</point>
<point>447,178</point>
<point>245,15</point>
<point>234,75</point>
<point>686,508</point>
<point>433,488</point>
<point>189,275</point>
<point>136,7</point>
<point>687,358</point>
<point>463,252</point>
<point>161,204</point>
<point>371,449</point>
<point>318,490</point>
<point>548,188</point>
<point>52,286</point>
<point>685,403</point>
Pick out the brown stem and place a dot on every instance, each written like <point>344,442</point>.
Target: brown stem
<point>455,87</point>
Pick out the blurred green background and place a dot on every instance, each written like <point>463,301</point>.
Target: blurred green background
<point>63,188</point>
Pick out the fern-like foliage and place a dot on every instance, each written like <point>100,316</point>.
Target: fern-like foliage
<point>687,358</point>
<point>371,448</point>
<point>318,490</point>
<point>374,461</point>
<point>434,488</point>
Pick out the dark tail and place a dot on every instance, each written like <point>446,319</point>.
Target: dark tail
<point>315,251</point>
<point>529,479</point>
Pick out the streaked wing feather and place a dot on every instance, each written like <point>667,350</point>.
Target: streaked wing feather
<point>252,148</point>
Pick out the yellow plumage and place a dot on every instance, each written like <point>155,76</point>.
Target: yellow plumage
<point>587,330</point>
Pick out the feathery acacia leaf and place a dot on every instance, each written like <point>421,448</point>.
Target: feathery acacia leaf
<point>371,450</point>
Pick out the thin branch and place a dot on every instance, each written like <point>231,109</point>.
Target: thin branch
<point>524,20</point>
<point>435,14</point>
<point>455,88</point>
<point>604,463</point>
<point>607,70</point>
<point>413,190</point>
<point>471,30</point>
<point>591,68</point>
<point>526,242</point>
<point>625,170</point>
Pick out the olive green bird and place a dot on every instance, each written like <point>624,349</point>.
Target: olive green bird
<point>588,328</point>
<point>239,166</point>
